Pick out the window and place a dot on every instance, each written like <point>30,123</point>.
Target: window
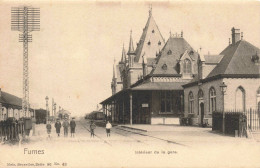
<point>159,43</point>
<point>191,103</point>
<point>200,96</point>
<point>240,99</point>
<point>187,66</point>
<point>212,100</point>
<point>164,67</point>
<point>169,52</point>
<point>166,101</point>
<point>258,91</point>
<point>149,43</point>
<point>152,31</point>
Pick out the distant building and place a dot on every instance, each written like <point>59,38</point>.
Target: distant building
<point>238,67</point>
<point>11,106</point>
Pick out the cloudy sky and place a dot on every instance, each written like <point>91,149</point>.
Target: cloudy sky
<point>71,58</point>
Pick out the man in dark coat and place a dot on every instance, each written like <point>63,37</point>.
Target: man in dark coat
<point>58,126</point>
<point>72,127</point>
<point>65,125</point>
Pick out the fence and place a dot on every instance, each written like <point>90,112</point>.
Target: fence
<point>253,119</point>
<point>236,120</point>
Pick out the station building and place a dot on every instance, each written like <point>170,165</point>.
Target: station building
<point>160,81</point>
<point>147,82</point>
<point>238,68</point>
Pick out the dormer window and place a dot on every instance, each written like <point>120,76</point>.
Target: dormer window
<point>191,52</point>
<point>159,43</point>
<point>152,31</point>
<point>149,43</point>
<point>169,52</point>
<point>255,58</point>
<point>187,66</point>
<point>164,67</point>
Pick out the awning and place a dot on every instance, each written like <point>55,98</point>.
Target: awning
<point>160,86</point>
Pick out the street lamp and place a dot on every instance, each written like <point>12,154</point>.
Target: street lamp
<point>54,108</point>
<point>223,88</point>
<point>47,113</point>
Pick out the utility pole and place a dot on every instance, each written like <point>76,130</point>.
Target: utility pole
<point>25,19</point>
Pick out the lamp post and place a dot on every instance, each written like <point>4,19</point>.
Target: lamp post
<point>223,88</point>
<point>54,108</point>
<point>47,108</point>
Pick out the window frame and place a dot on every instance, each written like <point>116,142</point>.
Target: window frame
<point>212,100</point>
<point>187,66</point>
<point>164,101</point>
<point>191,103</point>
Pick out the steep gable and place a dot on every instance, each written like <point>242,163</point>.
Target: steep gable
<point>150,42</point>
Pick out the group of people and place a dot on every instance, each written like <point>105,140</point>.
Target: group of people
<point>66,124</point>
<point>92,127</point>
<point>72,124</point>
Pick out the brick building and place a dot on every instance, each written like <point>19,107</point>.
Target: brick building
<point>238,67</point>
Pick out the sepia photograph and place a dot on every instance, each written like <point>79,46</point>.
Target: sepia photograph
<point>129,84</point>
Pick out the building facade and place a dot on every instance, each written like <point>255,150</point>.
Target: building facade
<point>237,66</point>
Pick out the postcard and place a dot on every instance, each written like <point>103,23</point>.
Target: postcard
<point>130,84</point>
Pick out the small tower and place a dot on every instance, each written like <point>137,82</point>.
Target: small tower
<point>113,83</point>
<point>131,51</point>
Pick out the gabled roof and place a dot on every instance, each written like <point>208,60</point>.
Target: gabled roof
<point>152,34</point>
<point>237,60</point>
<point>7,98</point>
<point>177,46</point>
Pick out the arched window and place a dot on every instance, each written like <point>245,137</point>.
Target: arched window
<point>212,100</point>
<point>187,66</point>
<point>240,99</point>
<point>191,103</point>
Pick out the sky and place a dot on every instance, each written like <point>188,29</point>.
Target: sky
<point>71,58</point>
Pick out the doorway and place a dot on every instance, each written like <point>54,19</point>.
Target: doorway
<point>201,113</point>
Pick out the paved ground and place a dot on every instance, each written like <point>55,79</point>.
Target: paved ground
<point>160,146</point>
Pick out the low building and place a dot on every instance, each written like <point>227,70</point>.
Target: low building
<point>238,67</point>
<point>11,106</point>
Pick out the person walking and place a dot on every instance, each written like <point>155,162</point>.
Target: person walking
<point>58,126</point>
<point>65,125</point>
<point>92,128</point>
<point>108,127</point>
<point>72,127</point>
<point>48,127</point>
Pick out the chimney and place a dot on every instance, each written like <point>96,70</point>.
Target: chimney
<point>235,35</point>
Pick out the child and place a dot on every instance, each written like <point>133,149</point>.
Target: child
<point>108,127</point>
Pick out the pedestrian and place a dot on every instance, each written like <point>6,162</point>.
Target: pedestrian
<point>92,128</point>
<point>48,127</point>
<point>108,127</point>
<point>72,127</point>
<point>58,126</point>
<point>65,125</point>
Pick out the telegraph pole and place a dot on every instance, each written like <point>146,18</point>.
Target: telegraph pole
<point>25,19</point>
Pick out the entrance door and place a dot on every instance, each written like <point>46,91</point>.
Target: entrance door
<point>201,112</point>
